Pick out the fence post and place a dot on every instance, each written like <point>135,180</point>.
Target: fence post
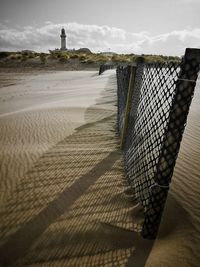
<point>128,105</point>
<point>184,91</point>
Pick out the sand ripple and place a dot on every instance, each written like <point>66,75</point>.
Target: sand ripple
<point>179,237</point>
<point>69,207</point>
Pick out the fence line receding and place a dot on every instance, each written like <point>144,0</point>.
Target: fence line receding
<point>105,67</point>
<point>153,104</point>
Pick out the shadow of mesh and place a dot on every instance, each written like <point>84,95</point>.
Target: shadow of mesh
<point>71,208</point>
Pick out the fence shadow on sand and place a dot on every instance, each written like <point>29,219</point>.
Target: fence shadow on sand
<point>71,208</point>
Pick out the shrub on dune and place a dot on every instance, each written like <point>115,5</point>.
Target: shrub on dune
<point>43,58</point>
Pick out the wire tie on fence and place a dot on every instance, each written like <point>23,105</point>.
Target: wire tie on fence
<point>159,185</point>
<point>187,80</point>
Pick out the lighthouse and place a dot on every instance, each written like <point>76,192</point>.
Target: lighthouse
<point>63,39</point>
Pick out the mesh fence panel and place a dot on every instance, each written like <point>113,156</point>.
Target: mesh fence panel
<point>105,67</point>
<point>149,115</point>
<point>160,103</point>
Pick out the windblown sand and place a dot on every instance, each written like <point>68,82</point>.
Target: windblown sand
<point>35,114</point>
<point>178,242</point>
<point>62,179</point>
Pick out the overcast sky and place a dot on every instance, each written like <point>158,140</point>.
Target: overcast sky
<point>125,26</point>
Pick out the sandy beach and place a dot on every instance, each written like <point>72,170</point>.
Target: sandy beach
<point>178,240</point>
<point>32,110</point>
<point>62,179</point>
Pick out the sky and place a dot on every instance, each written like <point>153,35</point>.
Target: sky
<point>125,26</point>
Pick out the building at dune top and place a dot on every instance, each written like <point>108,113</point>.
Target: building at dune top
<point>63,40</point>
<point>63,47</point>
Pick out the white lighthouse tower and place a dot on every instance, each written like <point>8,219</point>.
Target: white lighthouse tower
<point>63,39</point>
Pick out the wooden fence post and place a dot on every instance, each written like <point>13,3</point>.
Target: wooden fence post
<point>128,105</point>
<point>185,85</point>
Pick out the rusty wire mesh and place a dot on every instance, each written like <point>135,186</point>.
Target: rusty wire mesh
<point>160,103</point>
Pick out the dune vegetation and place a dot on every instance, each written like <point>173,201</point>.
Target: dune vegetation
<point>73,59</point>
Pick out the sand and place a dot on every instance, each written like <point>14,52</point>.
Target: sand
<point>30,112</point>
<point>178,242</point>
<point>62,179</point>
<point>62,176</point>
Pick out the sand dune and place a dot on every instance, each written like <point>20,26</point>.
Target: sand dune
<point>62,179</point>
<point>30,112</point>
<point>179,237</point>
<point>63,201</point>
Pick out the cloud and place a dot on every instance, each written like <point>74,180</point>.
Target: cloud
<point>189,1</point>
<point>97,38</point>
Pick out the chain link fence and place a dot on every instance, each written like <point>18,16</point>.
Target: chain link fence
<point>159,104</point>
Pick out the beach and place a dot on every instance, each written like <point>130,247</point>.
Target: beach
<point>62,176</point>
<point>62,179</point>
<point>178,240</point>
<point>29,113</point>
